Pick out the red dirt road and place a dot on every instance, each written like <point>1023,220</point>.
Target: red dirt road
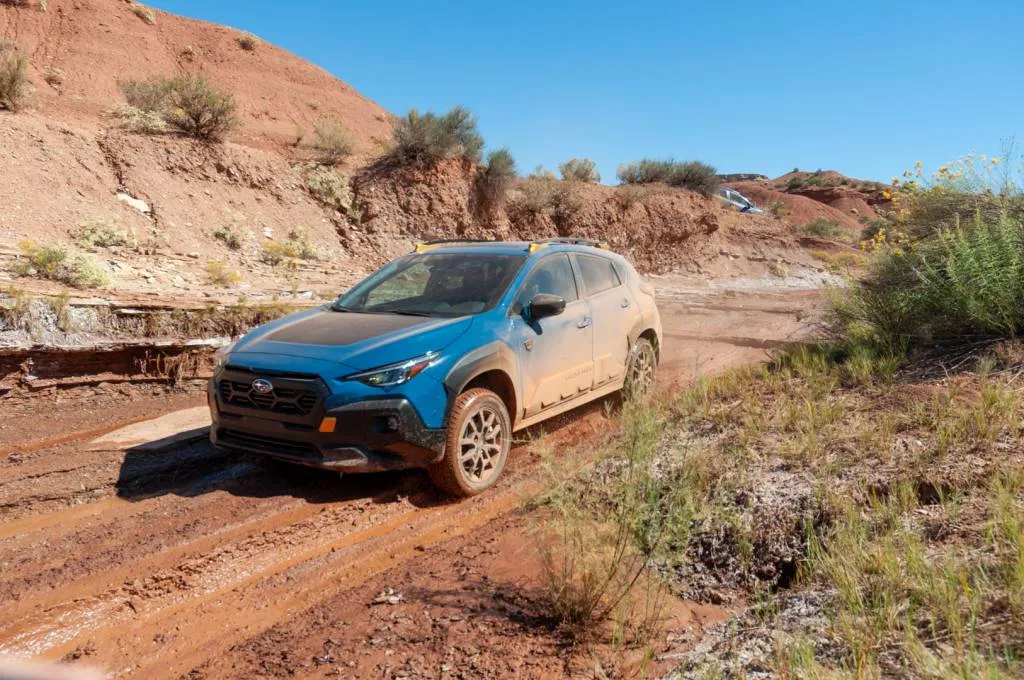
<point>189,562</point>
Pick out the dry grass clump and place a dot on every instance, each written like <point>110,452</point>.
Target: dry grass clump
<point>248,42</point>
<point>332,141</point>
<point>144,13</point>
<point>95,234</point>
<point>329,187</point>
<point>299,246</point>
<point>219,273</point>
<point>55,264</point>
<point>14,85</point>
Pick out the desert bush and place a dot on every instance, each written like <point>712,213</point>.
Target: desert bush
<point>53,76</point>
<point>967,281</point>
<point>151,95</point>
<point>540,172</point>
<point>692,175</point>
<point>329,187</point>
<point>297,247</point>
<point>494,178</point>
<point>219,273</point>
<point>200,110</point>
<point>779,209</point>
<point>144,13</point>
<point>331,140</point>
<point>423,139</point>
<point>229,237</point>
<point>248,42</point>
<point>538,193</point>
<point>566,202</point>
<point>13,77</point>
<point>54,264</point>
<point>626,195</point>
<point>103,234</point>
<point>819,227</point>
<point>794,183</point>
<point>580,170</point>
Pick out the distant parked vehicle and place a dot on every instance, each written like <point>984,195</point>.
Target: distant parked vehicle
<point>738,201</point>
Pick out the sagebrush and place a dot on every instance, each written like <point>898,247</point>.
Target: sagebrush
<point>494,178</point>
<point>693,175</point>
<point>580,170</point>
<point>424,139</point>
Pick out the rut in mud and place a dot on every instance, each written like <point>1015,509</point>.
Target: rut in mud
<point>178,560</point>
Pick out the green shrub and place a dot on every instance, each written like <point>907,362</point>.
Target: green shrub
<point>424,139</point>
<point>13,77</point>
<point>794,184</point>
<point>100,234</point>
<point>52,263</point>
<point>814,181</point>
<point>330,188</point>
<point>248,42</point>
<point>332,140</point>
<point>959,282</point>
<point>144,13</point>
<point>494,178</point>
<point>693,175</point>
<point>538,193</point>
<point>540,172</point>
<point>819,227</point>
<point>580,170</point>
<point>200,110</point>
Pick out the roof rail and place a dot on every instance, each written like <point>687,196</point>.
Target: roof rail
<point>565,240</point>
<point>427,245</point>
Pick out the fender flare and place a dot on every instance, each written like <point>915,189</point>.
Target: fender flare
<point>490,357</point>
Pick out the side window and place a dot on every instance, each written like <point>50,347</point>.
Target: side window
<point>598,274</point>
<point>409,284</point>
<point>552,275</point>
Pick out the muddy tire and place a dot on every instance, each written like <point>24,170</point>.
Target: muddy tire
<point>476,445</point>
<point>643,365</point>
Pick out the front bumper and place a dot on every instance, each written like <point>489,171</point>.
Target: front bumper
<point>372,435</point>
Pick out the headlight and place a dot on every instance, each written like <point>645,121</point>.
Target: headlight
<point>394,374</point>
<point>221,357</point>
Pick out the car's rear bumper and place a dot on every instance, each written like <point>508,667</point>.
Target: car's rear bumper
<point>368,436</point>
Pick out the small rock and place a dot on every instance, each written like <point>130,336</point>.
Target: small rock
<point>136,203</point>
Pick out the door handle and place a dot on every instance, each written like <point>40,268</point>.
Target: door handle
<point>625,302</point>
<point>583,323</point>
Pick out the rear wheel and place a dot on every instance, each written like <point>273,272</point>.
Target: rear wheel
<point>476,446</point>
<point>643,363</point>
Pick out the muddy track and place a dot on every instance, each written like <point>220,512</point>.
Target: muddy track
<point>158,563</point>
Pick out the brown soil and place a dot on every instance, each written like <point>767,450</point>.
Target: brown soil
<point>188,562</point>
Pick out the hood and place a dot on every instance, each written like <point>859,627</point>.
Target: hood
<point>350,339</point>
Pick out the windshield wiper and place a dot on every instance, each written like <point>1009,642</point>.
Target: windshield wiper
<point>404,312</point>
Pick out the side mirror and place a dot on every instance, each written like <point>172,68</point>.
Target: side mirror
<point>543,305</point>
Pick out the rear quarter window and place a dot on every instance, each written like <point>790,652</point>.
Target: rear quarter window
<point>598,274</point>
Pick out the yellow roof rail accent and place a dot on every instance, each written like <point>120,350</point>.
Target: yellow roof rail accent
<point>534,247</point>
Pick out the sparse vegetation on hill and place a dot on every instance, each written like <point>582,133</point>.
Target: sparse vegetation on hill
<point>103,234</point>
<point>330,187</point>
<point>692,175</point>
<point>494,178</point>
<point>424,139</point>
<point>187,103</point>
<point>13,77</point>
<point>55,264</point>
<point>297,247</point>
<point>331,140</point>
<point>248,42</point>
<point>144,13</point>
<point>580,170</point>
<point>822,228</point>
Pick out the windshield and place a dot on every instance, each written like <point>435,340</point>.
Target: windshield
<point>434,284</point>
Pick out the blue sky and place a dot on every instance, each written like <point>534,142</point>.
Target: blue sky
<point>865,87</point>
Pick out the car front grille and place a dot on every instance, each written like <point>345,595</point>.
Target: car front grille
<point>285,400</point>
<point>269,445</point>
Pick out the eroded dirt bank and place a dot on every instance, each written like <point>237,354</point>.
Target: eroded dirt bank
<point>181,561</point>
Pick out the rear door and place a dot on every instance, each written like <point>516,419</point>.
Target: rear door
<point>613,312</point>
<point>555,353</point>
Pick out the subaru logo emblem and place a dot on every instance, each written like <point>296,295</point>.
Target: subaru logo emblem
<point>262,386</point>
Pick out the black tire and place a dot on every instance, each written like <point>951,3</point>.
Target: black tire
<point>478,439</point>
<point>642,370</point>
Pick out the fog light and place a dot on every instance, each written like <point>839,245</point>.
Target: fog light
<point>327,424</point>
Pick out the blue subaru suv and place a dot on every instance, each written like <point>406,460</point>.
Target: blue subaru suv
<point>437,358</point>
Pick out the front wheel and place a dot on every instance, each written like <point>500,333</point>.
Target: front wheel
<point>476,445</point>
<point>643,362</point>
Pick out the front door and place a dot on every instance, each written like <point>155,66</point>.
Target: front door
<point>555,353</point>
